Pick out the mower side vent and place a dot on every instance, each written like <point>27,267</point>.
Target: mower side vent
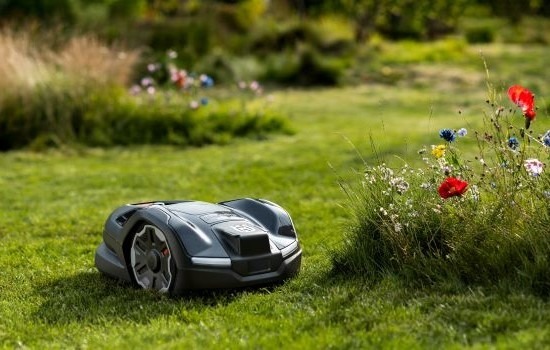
<point>121,220</point>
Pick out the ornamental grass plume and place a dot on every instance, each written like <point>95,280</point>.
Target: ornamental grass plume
<point>467,218</point>
<point>47,92</point>
<point>28,62</point>
<point>89,59</point>
<point>22,65</point>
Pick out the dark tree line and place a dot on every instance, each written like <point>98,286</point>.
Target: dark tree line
<point>419,19</point>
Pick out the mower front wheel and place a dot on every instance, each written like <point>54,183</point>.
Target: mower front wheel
<point>151,259</point>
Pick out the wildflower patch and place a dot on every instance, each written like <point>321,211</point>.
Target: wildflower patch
<point>478,218</point>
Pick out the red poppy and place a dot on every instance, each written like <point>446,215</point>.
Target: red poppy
<point>525,100</point>
<point>452,187</point>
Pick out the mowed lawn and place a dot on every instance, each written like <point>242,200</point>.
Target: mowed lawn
<point>53,205</point>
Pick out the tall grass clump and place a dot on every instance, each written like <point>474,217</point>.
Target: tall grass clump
<point>77,92</point>
<point>466,218</point>
<point>47,90</point>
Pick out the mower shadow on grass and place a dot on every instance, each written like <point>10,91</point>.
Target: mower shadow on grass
<point>91,298</point>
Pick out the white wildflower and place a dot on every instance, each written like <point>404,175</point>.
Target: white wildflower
<point>400,185</point>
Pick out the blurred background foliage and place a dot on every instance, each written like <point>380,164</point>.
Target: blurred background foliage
<point>278,41</point>
<point>68,64</point>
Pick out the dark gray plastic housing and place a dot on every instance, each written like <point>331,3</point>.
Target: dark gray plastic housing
<point>199,245</point>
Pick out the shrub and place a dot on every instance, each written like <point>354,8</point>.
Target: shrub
<point>406,52</point>
<point>191,35</point>
<point>475,219</point>
<point>419,19</point>
<point>109,116</point>
<point>304,67</point>
<point>78,95</point>
<point>219,65</point>
<point>480,34</point>
<point>271,36</point>
<point>65,10</point>
<point>83,14</point>
<point>166,119</point>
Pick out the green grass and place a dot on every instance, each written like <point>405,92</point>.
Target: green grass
<point>54,204</point>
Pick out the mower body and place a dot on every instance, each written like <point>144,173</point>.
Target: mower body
<point>173,246</point>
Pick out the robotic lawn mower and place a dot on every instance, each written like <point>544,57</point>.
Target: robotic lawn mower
<point>172,246</point>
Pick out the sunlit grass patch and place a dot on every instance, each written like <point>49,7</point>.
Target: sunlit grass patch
<point>54,204</point>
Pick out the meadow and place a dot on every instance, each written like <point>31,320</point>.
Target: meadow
<point>54,204</point>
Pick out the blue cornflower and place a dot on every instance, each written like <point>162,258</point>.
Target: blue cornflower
<point>513,143</point>
<point>447,135</point>
<point>204,101</point>
<point>206,81</point>
<point>546,139</point>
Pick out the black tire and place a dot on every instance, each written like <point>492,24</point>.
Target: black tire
<point>151,259</point>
